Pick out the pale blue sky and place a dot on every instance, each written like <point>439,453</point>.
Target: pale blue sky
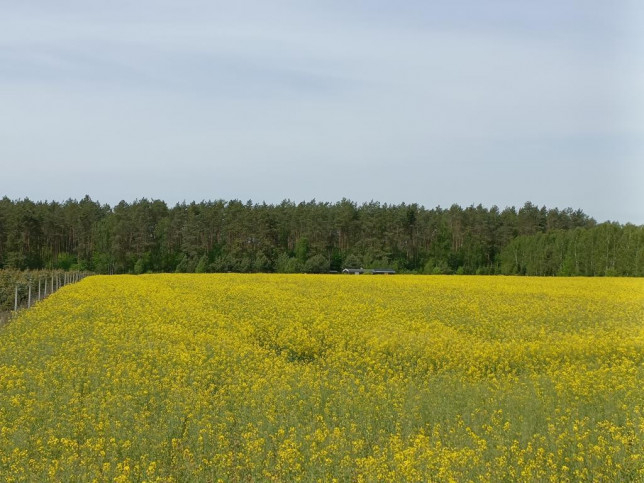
<point>492,102</point>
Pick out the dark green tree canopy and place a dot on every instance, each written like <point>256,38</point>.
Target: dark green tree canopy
<point>148,236</point>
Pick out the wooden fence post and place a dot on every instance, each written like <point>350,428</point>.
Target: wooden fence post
<point>39,289</point>
<point>29,296</point>
<point>15,300</point>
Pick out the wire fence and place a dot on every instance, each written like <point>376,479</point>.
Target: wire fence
<point>22,289</point>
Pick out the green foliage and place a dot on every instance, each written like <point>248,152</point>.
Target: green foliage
<point>317,264</point>
<point>219,236</point>
<point>185,265</point>
<point>352,261</point>
<point>286,264</point>
<point>607,249</point>
<point>65,261</point>
<point>222,264</point>
<point>139,266</point>
<point>16,260</point>
<point>101,262</point>
<point>302,249</point>
<point>336,260</point>
<point>262,263</point>
<point>202,266</point>
<point>245,265</point>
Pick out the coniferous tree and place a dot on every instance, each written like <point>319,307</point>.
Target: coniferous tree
<point>148,236</point>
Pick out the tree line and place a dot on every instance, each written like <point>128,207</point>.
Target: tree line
<point>222,236</point>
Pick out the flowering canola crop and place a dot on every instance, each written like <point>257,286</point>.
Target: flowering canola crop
<point>320,378</point>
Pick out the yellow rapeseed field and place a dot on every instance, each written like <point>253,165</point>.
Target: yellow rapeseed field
<point>320,378</point>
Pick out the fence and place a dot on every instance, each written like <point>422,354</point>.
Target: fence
<point>20,290</point>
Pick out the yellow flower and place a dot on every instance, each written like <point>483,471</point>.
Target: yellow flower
<point>315,378</point>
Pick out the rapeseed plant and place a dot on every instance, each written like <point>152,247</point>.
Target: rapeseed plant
<point>322,378</point>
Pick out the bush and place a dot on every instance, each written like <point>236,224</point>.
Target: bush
<point>317,264</point>
<point>352,261</point>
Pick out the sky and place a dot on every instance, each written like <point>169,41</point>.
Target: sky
<point>496,102</point>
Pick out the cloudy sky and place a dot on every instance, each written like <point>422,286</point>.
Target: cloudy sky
<point>434,102</point>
